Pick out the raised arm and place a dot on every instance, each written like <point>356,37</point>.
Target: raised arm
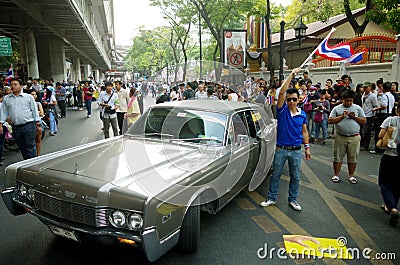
<point>285,85</point>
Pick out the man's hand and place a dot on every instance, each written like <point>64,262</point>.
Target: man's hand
<point>352,115</point>
<point>308,154</point>
<point>1,129</point>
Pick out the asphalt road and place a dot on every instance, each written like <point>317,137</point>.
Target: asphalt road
<point>241,232</point>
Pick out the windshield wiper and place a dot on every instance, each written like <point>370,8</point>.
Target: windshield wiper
<point>197,139</point>
<point>159,134</point>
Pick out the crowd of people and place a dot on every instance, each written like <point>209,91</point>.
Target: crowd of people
<point>303,109</point>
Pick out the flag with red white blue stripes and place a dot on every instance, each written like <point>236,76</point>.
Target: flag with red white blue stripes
<point>342,52</point>
<point>10,74</point>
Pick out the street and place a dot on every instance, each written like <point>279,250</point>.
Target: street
<point>242,232</point>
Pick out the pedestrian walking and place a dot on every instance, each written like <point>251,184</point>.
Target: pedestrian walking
<point>389,181</point>
<point>133,110</point>
<point>49,102</point>
<point>22,111</point>
<point>386,104</point>
<point>322,109</point>
<point>61,96</point>
<point>88,96</point>
<point>292,132</point>
<point>369,102</point>
<point>123,99</point>
<point>38,132</point>
<point>108,99</point>
<point>348,118</point>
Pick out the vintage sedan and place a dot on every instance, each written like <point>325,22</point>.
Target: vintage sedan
<point>147,187</point>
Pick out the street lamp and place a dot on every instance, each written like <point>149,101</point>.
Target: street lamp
<point>300,33</point>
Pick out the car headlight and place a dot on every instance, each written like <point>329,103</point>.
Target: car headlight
<point>30,194</point>
<point>135,221</point>
<point>22,190</point>
<point>118,219</point>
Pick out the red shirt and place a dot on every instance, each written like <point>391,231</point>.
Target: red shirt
<point>86,92</point>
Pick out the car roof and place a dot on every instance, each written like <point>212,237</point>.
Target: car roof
<point>209,105</point>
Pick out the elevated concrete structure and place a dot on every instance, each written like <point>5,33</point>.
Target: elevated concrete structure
<point>52,33</point>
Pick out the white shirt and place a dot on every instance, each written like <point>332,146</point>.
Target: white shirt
<point>200,95</point>
<point>123,98</point>
<point>103,98</point>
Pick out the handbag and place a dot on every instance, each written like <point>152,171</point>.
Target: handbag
<point>109,110</point>
<point>307,107</point>
<point>318,116</point>
<point>389,139</point>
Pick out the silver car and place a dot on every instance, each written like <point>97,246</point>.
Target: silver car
<point>147,188</point>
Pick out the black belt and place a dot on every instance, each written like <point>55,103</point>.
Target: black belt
<point>290,148</point>
<point>357,134</point>
<point>22,125</point>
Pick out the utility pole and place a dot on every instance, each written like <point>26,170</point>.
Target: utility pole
<point>201,48</point>
<point>269,58</point>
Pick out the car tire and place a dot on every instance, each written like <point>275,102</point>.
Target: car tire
<point>189,236</point>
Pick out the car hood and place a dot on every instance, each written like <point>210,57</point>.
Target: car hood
<point>145,166</point>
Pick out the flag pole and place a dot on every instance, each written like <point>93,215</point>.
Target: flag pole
<point>315,50</point>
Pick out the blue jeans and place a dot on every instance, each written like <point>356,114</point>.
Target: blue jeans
<point>88,105</point>
<point>25,136</point>
<point>294,160</point>
<point>53,124</point>
<point>324,125</point>
<point>310,120</point>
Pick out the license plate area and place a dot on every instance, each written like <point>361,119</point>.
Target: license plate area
<point>58,231</point>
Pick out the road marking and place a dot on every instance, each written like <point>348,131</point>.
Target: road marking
<point>372,206</point>
<point>291,226</point>
<point>245,204</point>
<point>266,224</point>
<point>358,174</point>
<point>84,140</point>
<point>360,237</point>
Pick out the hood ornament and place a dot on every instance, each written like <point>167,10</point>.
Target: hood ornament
<point>76,169</point>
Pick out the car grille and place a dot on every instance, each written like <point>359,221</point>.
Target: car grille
<point>71,211</point>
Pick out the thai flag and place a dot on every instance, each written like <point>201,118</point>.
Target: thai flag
<point>342,52</point>
<point>269,100</point>
<point>10,75</point>
<point>304,100</point>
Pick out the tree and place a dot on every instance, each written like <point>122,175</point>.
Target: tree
<point>386,13</point>
<point>179,14</point>
<point>322,10</point>
<point>150,48</point>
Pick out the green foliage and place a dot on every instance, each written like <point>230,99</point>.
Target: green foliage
<point>316,10</point>
<point>150,50</point>
<point>386,13</point>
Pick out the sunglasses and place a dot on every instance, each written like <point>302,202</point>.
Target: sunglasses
<point>291,99</point>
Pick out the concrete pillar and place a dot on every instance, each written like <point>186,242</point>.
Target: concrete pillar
<point>57,59</point>
<point>77,69</point>
<point>396,61</point>
<point>32,55</point>
<point>97,75</point>
<point>43,55</point>
<point>86,71</point>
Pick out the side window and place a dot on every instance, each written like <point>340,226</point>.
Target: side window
<point>258,121</point>
<point>251,124</point>
<point>239,126</point>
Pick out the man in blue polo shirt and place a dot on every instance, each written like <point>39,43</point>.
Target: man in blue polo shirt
<point>292,132</point>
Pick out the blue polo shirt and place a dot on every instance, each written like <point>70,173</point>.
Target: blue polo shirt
<point>290,127</point>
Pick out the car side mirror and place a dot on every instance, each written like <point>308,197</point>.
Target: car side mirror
<point>242,139</point>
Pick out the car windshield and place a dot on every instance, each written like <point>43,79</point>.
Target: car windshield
<point>176,124</point>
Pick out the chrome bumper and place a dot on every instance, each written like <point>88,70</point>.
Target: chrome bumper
<point>152,246</point>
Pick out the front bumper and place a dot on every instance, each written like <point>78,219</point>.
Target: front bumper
<point>147,239</point>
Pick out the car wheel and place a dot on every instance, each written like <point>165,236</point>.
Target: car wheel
<point>189,236</point>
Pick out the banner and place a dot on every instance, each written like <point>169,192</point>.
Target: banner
<point>234,46</point>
